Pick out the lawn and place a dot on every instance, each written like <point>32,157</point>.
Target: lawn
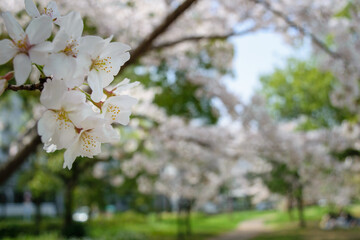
<point>312,232</point>
<point>133,226</point>
<point>203,226</point>
<point>286,229</point>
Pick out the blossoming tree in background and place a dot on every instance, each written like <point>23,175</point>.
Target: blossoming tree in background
<point>304,160</point>
<point>180,57</point>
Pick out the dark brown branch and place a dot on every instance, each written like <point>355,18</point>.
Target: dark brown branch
<point>146,44</point>
<point>29,87</point>
<point>14,162</point>
<point>298,27</point>
<point>198,38</point>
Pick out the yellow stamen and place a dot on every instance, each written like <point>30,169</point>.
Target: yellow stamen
<point>103,64</point>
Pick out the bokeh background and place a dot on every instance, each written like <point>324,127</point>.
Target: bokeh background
<point>247,127</point>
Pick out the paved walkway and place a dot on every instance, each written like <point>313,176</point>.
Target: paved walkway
<point>245,231</point>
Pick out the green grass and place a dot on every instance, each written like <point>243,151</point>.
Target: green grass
<point>133,226</point>
<point>281,219</point>
<point>203,226</point>
<point>286,229</point>
<point>312,232</point>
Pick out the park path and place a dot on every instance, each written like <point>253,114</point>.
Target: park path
<point>245,231</point>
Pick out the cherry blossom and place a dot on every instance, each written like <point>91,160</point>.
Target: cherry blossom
<point>66,110</point>
<point>74,119</point>
<point>65,54</point>
<point>123,86</point>
<point>118,109</point>
<point>25,47</point>
<point>106,58</point>
<point>51,10</point>
<point>91,133</point>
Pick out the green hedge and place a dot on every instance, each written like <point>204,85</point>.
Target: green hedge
<point>14,228</point>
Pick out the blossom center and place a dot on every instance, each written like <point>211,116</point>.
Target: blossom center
<point>71,48</point>
<point>49,12</point>
<point>103,64</point>
<point>23,45</point>
<point>114,111</point>
<point>63,120</point>
<point>88,141</point>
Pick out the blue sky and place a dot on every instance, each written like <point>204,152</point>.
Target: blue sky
<point>257,54</point>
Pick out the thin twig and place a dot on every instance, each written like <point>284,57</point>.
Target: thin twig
<point>146,44</point>
<point>298,27</point>
<point>198,38</point>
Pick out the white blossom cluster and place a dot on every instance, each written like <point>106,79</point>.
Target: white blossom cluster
<point>74,120</point>
<point>310,153</point>
<point>187,161</point>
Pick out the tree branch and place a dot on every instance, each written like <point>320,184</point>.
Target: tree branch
<point>29,87</point>
<point>198,38</point>
<point>145,45</point>
<point>298,27</point>
<point>13,163</point>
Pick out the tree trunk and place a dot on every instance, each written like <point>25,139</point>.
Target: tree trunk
<point>180,234</point>
<point>188,218</point>
<point>289,204</point>
<point>69,192</point>
<point>38,216</point>
<point>300,206</point>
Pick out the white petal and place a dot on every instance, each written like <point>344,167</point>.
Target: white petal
<point>78,110</point>
<point>82,112</point>
<point>108,40</point>
<point>39,54</point>
<point>74,81</point>
<point>93,121</point>
<point>60,41</point>
<point>125,85</point>
<point>46,126</point>
<point>60,66</point>
<point>118,109</point>
<point>89,144</point>
<point>39,29</point>
<point>64,133</point>
<point>92,45</point>
<point>119,55</point>
<point>31,8</point>
<point>13,27</point>
<point>105,133</point>
<point>71,153</point>
<point>22,68</point>
<point>83,63</point>
<point>124,101</point>
<point>106,78</point>
<point>72,99</point>
<point>72,24</point>
<point>95,84</point>
<point>52,94</point>
<point>115,49</point>
<point>49,147</point>
<point>7,51</point>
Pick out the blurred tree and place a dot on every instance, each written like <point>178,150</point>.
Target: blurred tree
<point>300,89</point>
<point>286,182</point>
